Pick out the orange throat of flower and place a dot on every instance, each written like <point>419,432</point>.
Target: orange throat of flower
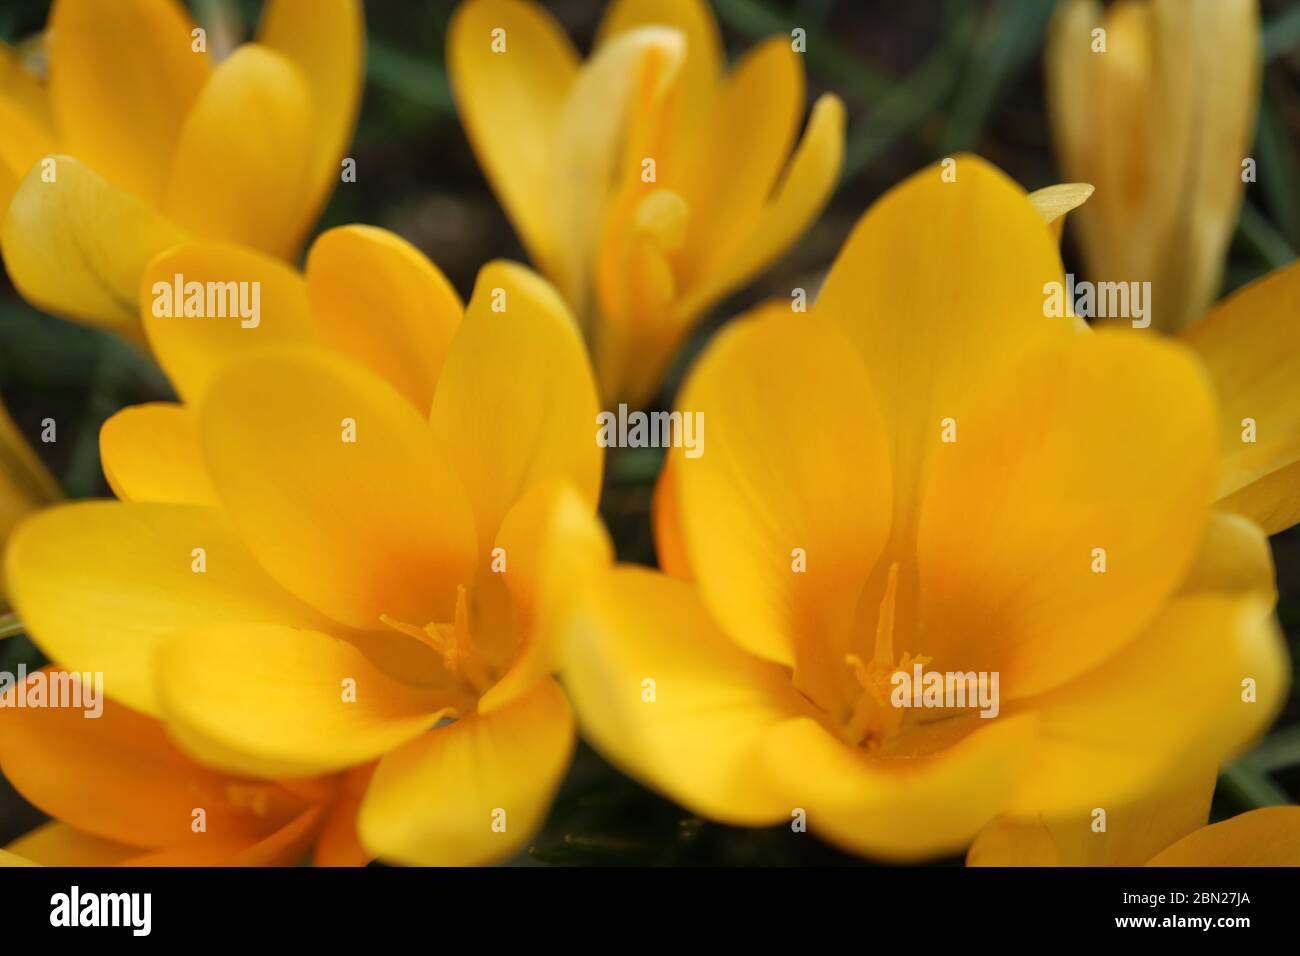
<point>453,642</point>
<point>872,720</point>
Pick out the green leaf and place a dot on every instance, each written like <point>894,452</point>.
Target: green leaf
<point>1281,34</point>
<point>1251,789</point>
<point>1010,36</point>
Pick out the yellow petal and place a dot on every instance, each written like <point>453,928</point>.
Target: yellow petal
<point>613,107</point>
<point>1053,202</point>
<point>120,778</point>
<point>151,453</point>
<point>509,103</point>
<point>670,546</point>
<point>332,480</point>
<point>732,169</point>
<point>1267,837</point>
<point>1067,510</point>
<point>786,509</point>
<point>77,246</point>
<point>1133,832</point>
<point>101,584</point>
<point>57,844</point>
<point>900,809</point>
<point>671,701</point>
<point>472,792</point>
<point>1251,347</point>
<point>552,545</point>
<point>275,701</point>
<point>702,65</point>
<point>244,154</point>
<point>807,183</point>
<point>1234,558</point>
<point>326,41</point>
<point>1210,80</point>
<point>520,376</point>
<point>25,118</point>
<point>1195,688</point>
<point>942,310</point>
<point>123,76</point>
<point>377,298</point>
<point>194,348</point>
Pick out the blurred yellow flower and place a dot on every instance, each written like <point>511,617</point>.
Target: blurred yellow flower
<point>154,806</point>
<point>645,183</point>
<point>1167,828</point>
<point>927,471</point>
<point>1157,111</point>
<point>359,525</point>
<point>138,142</point>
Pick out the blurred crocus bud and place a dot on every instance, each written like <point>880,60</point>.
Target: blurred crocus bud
<point>1154,104</point>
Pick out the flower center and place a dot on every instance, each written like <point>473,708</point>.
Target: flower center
<point>872,719</point>
<point>453,643</point>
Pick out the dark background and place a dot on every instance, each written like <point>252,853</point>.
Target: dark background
<point>921,79</point>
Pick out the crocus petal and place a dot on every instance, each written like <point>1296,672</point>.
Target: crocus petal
<point>941,311</point>
<point>786,510</point>
<point>1045,545</point>
<point>123,76</point>
<point>326,41</point>
<point>248,188</point>
<point>670,546</point>
<point>1198,685</point>
<point>521,376</point>
<point>1267,837</point>
<point>1053,202</point>
<point>296,441</point>
<point>151,453</point>
<point>1250,344</point>
<point>702,65</point>
<point>77,246</point>
<point>552,545</point>
<point>377,298</point>
<point>119,777</point>
<point>912,809</point>
<point>669,699</point>
<point>285,846</point>
<point>94,604</point>
<point>474,791</point>
<point>731,170</point>
<point>339,843</point>
<point>25,118</point>
<point>193,349</point>
<point>615,104</point>
<point>57,844</point>
<point>273,701</point>
<point>1133,832</point>
<point>805,186</point>
<point>509,103</point>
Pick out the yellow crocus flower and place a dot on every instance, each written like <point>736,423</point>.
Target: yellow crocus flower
<point>360,524</point>
<point>644,182</point>
<point>1158,113</point>
<point>1167,828</point>
<point>927,471</point>
<point>148,794</point>
<point>138,142</point>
